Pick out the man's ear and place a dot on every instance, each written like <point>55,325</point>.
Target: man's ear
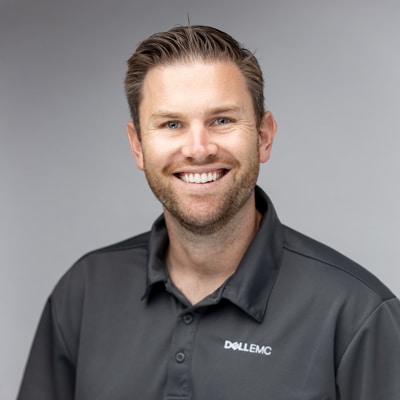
<point>266,134</point>
<point>135,143</point>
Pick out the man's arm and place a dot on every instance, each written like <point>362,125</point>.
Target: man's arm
<point>49,374</point>
<point>370,366</point>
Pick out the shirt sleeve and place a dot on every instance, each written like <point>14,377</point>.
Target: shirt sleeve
<point>370,366</point>
<point>49,374</point>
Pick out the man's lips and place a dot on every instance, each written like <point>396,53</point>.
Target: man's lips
<point>201,177</point>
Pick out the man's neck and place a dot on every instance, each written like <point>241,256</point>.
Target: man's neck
<point>200,264</point>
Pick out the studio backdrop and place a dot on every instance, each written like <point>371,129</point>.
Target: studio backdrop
<point>69,183</point>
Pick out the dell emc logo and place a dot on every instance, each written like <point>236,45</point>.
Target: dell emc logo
<point>248,348</point>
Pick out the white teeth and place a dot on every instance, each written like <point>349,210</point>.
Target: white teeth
<point>201,178</point>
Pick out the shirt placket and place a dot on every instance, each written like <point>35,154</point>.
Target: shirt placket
<point>179,380</point>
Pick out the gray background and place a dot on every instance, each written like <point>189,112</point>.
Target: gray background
<point>69,184</point>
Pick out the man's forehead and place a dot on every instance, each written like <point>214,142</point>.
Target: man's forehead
<point>195,74</point>
<point>194,87</point>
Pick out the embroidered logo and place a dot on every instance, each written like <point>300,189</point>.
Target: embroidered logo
<point>248,347</point>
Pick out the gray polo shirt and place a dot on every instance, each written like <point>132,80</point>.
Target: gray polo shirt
<point>297,321</point>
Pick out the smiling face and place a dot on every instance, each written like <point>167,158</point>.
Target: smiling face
<point>199,145</point>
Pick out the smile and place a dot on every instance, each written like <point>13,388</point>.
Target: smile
<point>204,177</point>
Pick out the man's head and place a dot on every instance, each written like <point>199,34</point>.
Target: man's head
<point>199,130</point>
<point>188,44</point>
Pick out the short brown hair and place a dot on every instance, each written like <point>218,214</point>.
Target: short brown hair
<point>186,44</point>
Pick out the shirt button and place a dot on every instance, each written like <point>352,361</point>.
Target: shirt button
<point>188,319</point>
<point>180,357</point>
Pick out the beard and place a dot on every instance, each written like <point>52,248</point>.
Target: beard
<point>205,214</point>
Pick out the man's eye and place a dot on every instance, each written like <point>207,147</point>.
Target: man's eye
<point>173,125</point>
<point>222,121</point>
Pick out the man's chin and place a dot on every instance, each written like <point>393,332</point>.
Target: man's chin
<point>199,224</point>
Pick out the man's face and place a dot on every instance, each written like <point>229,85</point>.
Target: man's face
<point>200,147</point>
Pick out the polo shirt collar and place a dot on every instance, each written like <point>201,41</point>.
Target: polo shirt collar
<point>250,286</point>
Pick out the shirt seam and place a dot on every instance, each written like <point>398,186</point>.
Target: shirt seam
<point>112,249</point>
<point>59,330</point>
<point>343,270</point>
<point>363,323</point>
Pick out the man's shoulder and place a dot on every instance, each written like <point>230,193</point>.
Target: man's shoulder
<point>134,242</point>
<point>326,259</point>
<point>132,246</point>
<point>112,263</point>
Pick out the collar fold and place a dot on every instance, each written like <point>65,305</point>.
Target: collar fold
<point>250,286</point>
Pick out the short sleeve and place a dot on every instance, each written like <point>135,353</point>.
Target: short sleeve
<point>49,374</point>
<point>370,366</point>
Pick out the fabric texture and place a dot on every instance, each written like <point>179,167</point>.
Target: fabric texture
<point>297,321</point>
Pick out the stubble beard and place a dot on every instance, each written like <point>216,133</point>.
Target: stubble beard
<point>205,215</point>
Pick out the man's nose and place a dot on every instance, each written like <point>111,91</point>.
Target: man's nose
<point>199,144</point>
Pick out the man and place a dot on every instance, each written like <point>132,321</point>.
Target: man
<point>219,300</point>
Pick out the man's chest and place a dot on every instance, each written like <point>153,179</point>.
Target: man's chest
<point>213,352</point>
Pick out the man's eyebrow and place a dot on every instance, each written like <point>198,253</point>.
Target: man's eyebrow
<point>223,110</point>
<point>165,114</point>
